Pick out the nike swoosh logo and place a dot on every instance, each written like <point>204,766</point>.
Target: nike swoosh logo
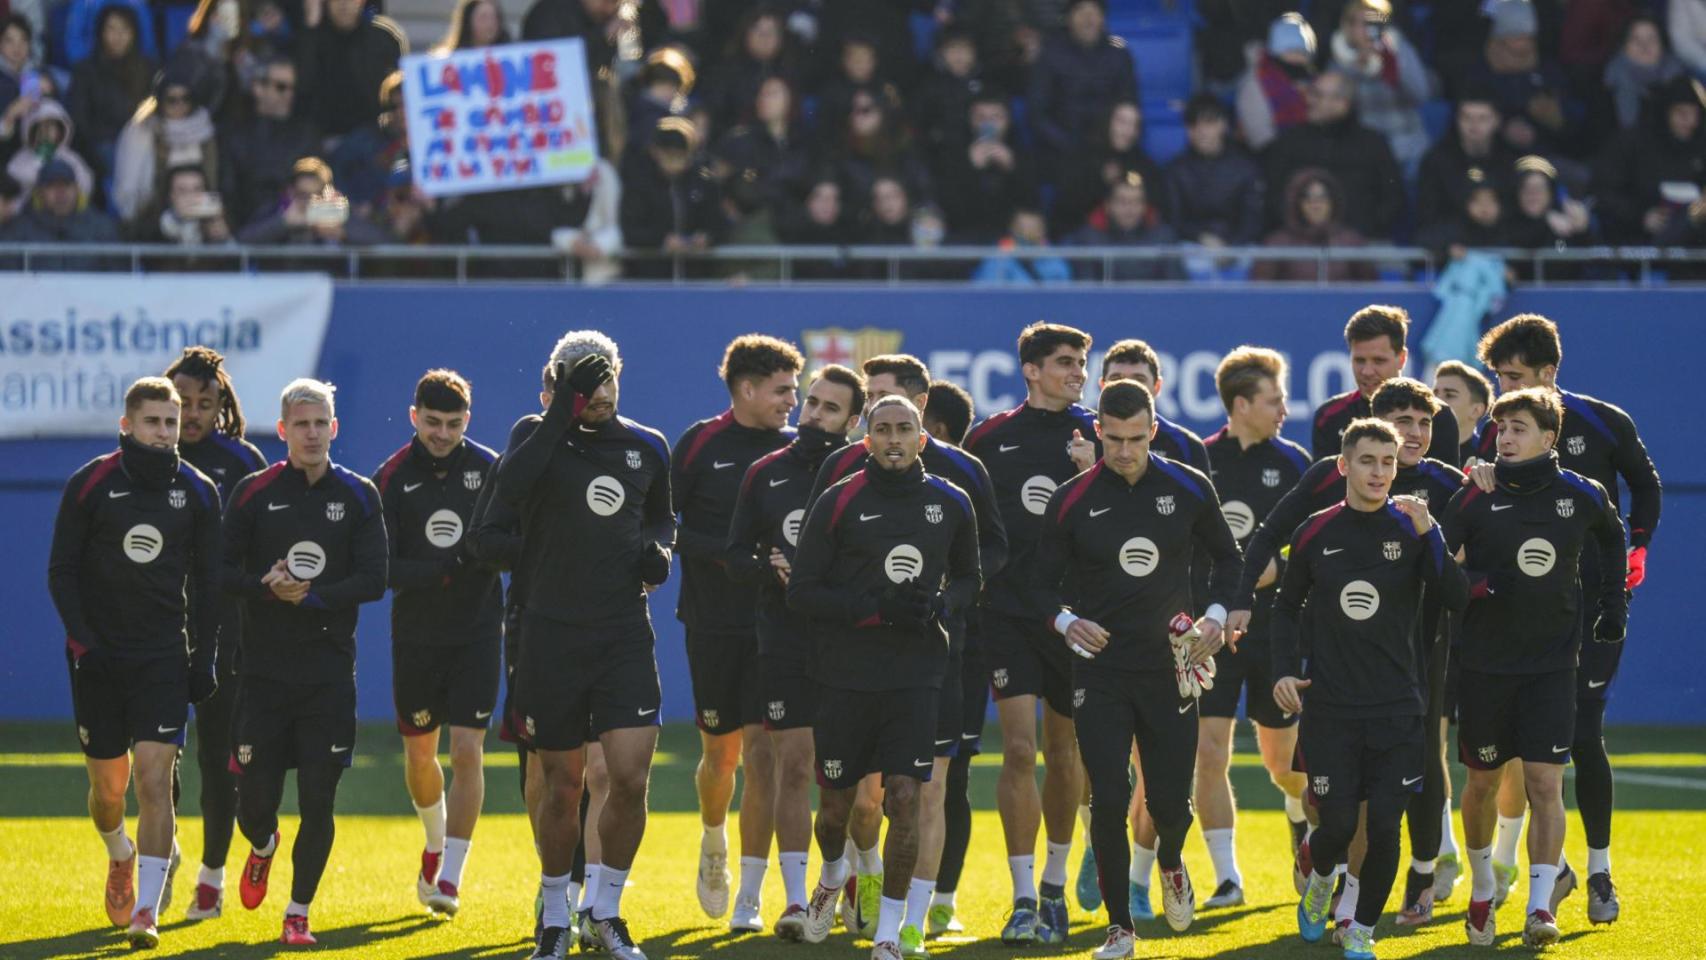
<point>482,714</point>
<point>1596,684</point>
<point>870,516</point>
<point>943,743</point>
<point>1008,447</point>
<point>340,749</point>
<point>1502,506</point>
<point>777,483</point>
<point>921,763</point>
<point>647,713</point>
<point>722,464</point>
<point>412,487</point>
<point>1412,781</point>
<point>115,494</point>
<point>167,729</point>
<point>1187,706</point>
<point>1328,553</point>
<point>277,506</point>
<point>1560,749</point>
<point>1097,513</point>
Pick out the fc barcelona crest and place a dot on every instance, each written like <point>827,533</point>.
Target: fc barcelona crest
<point>777,710</point>
<point>1577,445</point>
<point>177,498</point>
<point>471,479</point>
<point>1271,477</point>
<point>832,769</point>
<point>335,511</point>
<point>245,753</point>
<point>1391,549</point>
<point>1165,505</point>
<point>933,512</point>
<point>1566,507</point>
<point>633,459</point>
<point>1320,785</point>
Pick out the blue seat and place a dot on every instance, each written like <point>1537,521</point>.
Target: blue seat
<point>1164,62</point>
<point>1163,130</point>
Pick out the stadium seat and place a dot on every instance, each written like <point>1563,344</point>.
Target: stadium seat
<point>1163,55</point>
<point>1163,130</point>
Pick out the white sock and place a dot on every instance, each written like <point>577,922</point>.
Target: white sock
<point>1447,841</point>
<point>119,846</point>
<point>455,855</point>
<point>715,840</point>
<point>432,818</point>
<point>1504,846</point>
<point>1054,865</point>
<point>1224,855</point>
<point>610,884</point>
<point>1084,818</point>
<point>1142,865</point>
<point>833,873</point>
<point>271,847</point>
<point>940,899</point>
<point>870,861</point>
<point>1423,867</point>
<point>888,921</point>
<point>573,897</point>
<point>150,880</point>
<point>751,877</point>
<point>794,877</point>
<point>1541,878</point>
<point>1481,885</point>
<point>212,876</point>
<point>1599,861</point>
<point>294,909</point>
<point>1023,870</point>
<point>1348,902</point>
<point>918,895</point>
<point>1294,808</point>
<point>589,889</point>
<point>555,892</point>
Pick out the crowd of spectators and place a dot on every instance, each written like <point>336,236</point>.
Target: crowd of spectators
<point>1313,123</point>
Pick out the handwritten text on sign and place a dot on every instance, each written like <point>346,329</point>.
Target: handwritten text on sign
<point>499,118</point>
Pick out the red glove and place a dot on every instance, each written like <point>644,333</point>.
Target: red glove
<point>1637,568</point>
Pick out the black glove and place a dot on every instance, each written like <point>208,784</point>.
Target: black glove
<point>903,605</point>
<point>1609,628</point>
<point>573,387</point>
<point>654,565</point>
<point>203,683</point>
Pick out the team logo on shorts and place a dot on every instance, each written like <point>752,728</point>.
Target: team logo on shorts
<point>305,560</point>
<point>83,734</point>
<point>1165,505</point>
<point>1359,600</point>
<point>1488,754</point>
<point>177,498</point>
<point>1035,493</point>
<point>832,769</point>
<point>1271,477</point>
<point>1391,550</point>
<point>710,718</point>
<point>933,512</point>
<point>143,543</point>
<point>1536,557</point>
<point>605,496</point>
<point>444,528</point>
<point>421,718</point>
<point>335,511</point>
<point>528,723</point>
<point>1078,697</point>
<point>471,479</point>
<point>245,753</point>
<point>791,527</point>
<point>1566,507</point>
<point>1239,517</point>
<point>1577,445</point>
<point>1139,556</point>
<point>633,459</point>
<point>999,678</point>
<point>1320,786</point>
<point>903,563</point>
<point>777,710</point>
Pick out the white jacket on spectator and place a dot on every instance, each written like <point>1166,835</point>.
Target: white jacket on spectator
<point>1688,33</point>
<point>151,144</point>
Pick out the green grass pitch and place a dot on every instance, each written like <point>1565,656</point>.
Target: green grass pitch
<point>52,868</point>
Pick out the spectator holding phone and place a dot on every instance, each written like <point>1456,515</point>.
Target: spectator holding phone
<point>194,215</point>
<point>173,128</point>
<point>316,215</point>
<point>47,135</point>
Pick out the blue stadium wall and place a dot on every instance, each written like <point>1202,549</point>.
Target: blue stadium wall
<point>1635,348</point>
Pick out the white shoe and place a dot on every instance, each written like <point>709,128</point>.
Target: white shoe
<point>887,950</point>
<point>1120,945</point>
<point>613,933</point>
<point>820,913</point>
<point>1446,871</point>
<point>1178,899</point>
<point>1540,930</point>
<point>713,885</point>
<point>746,918</point>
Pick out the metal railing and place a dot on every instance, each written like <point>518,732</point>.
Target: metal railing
<point>1105,266</point>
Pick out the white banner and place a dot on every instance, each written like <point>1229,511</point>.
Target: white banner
<point>70,344</point>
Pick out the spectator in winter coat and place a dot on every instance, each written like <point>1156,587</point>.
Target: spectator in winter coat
<point>874,143</point>
<point>1391,80</point>
<point>1333,139</point>
<point>770,147</point>
<point>762,53</point>
<point>670,200</point>
<point>1649,186</point>
<point>1081,73</point>
<point>48,132</point>
<point>940,108</point>
<point>1115,148</point>
<point>173,128</point>
<point>58,212</point>
<point>343,58</point>
<point>1641,65</point>
<point>987,177</point>
<point>1274,94</point>
<point>256,154</point>
<point>1019,264</point>
<point>1531,90</point>
<point>107,87</point>
<point>1313,200</point>
<point>1471,151</point>
<point>316,216</point>
<point>1212,193</point>
<point>1127,220</point>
